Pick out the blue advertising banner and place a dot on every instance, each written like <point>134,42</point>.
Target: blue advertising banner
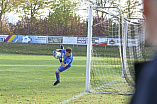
<point>31,39</point>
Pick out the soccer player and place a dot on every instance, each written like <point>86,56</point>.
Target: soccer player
<point>65,64</point>
<point>146,76</point>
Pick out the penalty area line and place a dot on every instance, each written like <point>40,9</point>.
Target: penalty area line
<point>75,97</point>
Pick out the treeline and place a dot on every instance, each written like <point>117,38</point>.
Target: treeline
<point>45,26</point>
<point>61,19</point>
<point>74,26</point>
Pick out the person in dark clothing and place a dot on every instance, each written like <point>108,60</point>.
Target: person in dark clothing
<point>146,72</point>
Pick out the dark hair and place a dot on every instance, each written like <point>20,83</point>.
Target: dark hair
<point>69,50</point>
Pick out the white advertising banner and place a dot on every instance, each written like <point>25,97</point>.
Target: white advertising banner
<point>82,40</point>
<point>116,42</point>
<point>102,40</point>
<point>3,37</point>
<point>113,41</point>
<point>69,40</point>
<point>99,41</point>
<point>55,40</point>
<point>39,39</point>
<point>132,42</point>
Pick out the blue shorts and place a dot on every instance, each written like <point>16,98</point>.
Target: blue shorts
<point>62,69</point>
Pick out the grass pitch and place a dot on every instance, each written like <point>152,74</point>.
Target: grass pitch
<point>28,79</point>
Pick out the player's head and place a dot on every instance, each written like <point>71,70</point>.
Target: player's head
<point>150,13</point>
<point>68,52</point>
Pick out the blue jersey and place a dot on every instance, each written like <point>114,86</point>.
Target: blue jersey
<point>66,59</point>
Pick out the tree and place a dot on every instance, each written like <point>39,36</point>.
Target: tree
<point>7,6</point>
<point>60,13</point>
<point>32,7</point>
<point>61,20</point>
<point>130,8</point>
<point>6,26</point>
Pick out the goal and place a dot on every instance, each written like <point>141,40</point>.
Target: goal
<point>104,70</point>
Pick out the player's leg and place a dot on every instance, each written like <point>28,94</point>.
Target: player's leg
<point>58,71</point>
<point>62,47</point>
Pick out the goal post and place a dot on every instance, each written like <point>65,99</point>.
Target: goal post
<point>89,49</point>
<point>104,65</point>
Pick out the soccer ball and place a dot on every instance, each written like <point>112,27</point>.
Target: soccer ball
<point>57,54</point>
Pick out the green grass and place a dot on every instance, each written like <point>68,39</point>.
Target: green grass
<point>28,79</point>
<point>47,49</point>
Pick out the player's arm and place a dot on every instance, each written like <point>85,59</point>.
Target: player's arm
<point>64,65</point>
<point>58,50</point>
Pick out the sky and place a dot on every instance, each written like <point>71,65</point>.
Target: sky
<point>12,17</point>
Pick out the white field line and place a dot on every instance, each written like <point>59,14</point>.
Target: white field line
<point>77,96</point>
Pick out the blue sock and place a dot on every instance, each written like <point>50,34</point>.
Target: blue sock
<point>57,76</point>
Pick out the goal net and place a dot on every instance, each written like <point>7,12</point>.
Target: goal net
<point>104,58</point>
<point>134,32</point>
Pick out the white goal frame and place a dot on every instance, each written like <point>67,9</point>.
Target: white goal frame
<point>89,44</point>
<point>89,49</point>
